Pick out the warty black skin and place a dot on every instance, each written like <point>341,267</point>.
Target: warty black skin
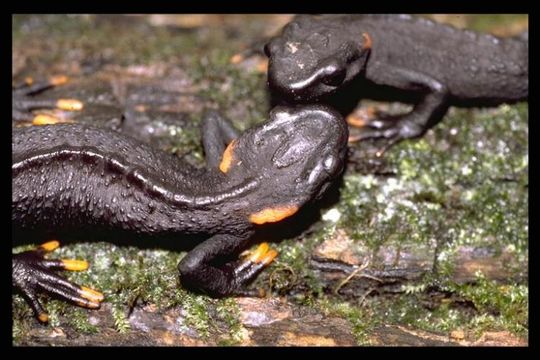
<point>317,55</point>
<point>74,177</point>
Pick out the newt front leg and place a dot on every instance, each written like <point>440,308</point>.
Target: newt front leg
<point>23,104</point>
<point>34,274</point>
<point>427,113</point>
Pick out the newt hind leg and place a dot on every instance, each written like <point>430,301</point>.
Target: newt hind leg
<point>34,274</point>
<point>201,271</point>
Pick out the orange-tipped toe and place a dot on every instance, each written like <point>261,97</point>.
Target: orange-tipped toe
<point>43,119</point>
<point>59,80</point>
<point>50,245</point>
<point>269,257</point>
<point>259,253</point>
<point>91,294</point>
<point>43,317</point>
<point>356,121</point>
<point>75,265</point>
<point>69,104</point>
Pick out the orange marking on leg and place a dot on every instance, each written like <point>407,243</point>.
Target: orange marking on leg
<point>273,214</point>
<point>227,159</point>
<point>50,245</point>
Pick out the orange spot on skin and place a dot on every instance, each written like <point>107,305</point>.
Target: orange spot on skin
<point>227,159</point>
<point>367,41</point>
<point>69,104</point>
<point>50,245</point>
<point>274,214</point>
<point>75,265</point>
<point>28,80</point>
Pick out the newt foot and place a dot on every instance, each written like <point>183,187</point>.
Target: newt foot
<point>23,105</point>
<point>33,274</point>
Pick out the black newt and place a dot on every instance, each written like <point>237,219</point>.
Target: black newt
<point>73,177</point>
<point>441,65</point>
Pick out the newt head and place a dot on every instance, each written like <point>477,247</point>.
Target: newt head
<point>295,156</point>
<point>313,57</point>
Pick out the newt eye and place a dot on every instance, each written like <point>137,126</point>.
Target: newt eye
<point>334,76</point>
<point>329,162</point>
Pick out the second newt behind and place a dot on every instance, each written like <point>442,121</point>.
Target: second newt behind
<point>408,57</point>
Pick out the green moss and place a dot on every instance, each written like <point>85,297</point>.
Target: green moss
<point>360,318</point>
<point>121,322</point>
<point>184,141</point>
<point>216,319</point>
<point>487,22</point>
<point>500,306</point>
<point>499,24</point>
<point>78,318</point>
<point>196,314</point>
<point>20,328</point>
<point>229,313</point>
